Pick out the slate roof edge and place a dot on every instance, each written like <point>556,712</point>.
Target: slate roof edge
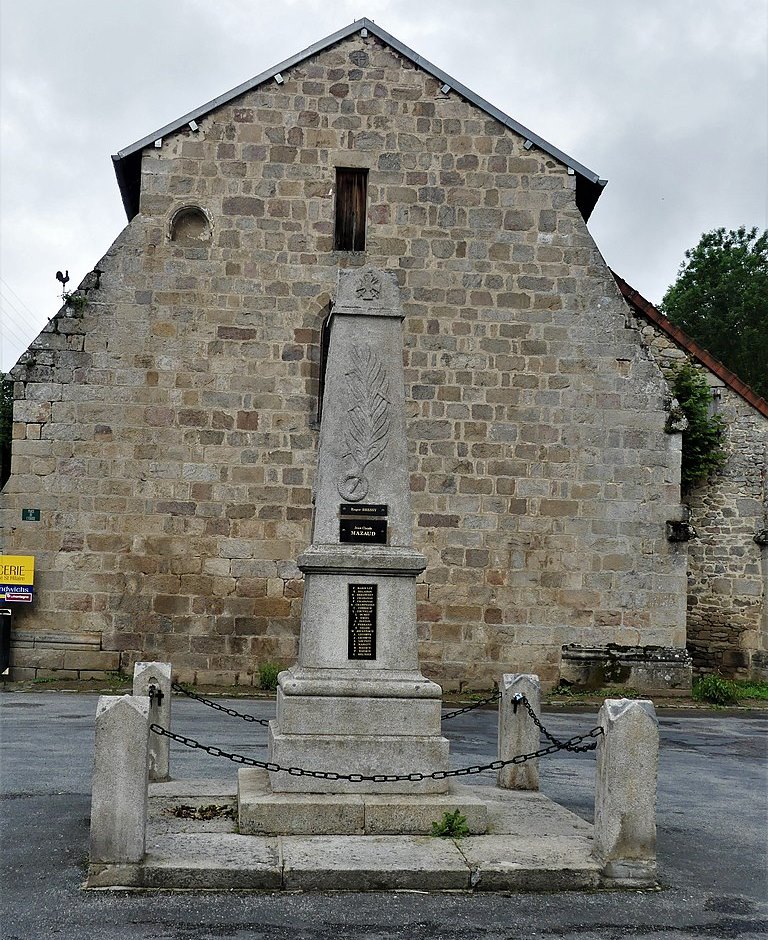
<point>125,168</point>
<point>645,308</point>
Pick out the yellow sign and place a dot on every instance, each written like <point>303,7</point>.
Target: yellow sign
<point>17,569</point>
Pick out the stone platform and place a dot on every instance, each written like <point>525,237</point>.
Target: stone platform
<point>264,812</point>
<point>532,844</point>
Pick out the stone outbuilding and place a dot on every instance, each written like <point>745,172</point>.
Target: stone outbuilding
<point>727,622</point>
<point>166,419</point>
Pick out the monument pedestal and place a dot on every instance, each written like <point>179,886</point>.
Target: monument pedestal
<point>373,715</point>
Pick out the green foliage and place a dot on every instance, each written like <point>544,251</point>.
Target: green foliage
<point>6,429</point>
<point>610,691</point>
<point>451,826</point>
<point>755,691</point>
<point>118,676</point>
<point>716,690</point>
<point>74,300</point>
<point>720,298</point>
<point>719,691</point>
<point>702,440</point>
<point>268,673</point>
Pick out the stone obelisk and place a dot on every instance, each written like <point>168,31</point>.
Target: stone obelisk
<point>356,701</point>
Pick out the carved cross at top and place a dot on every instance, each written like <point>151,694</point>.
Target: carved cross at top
<point>369,287</point>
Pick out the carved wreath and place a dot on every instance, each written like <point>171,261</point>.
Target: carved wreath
<point>368,424</point>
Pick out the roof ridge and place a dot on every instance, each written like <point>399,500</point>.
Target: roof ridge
<point>125,160</point>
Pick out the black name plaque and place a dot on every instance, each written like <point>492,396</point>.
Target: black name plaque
<point>360,524</point>
<point>361,643</point>
<point>363,509</point>
<point>359,531</point>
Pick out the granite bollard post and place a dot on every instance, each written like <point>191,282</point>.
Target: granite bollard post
<point>625,792</point>
<point>517,732</point>
<point>120,776</point>
<point>147,676</point>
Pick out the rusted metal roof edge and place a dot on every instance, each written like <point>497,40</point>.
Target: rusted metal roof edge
<point>588,175</point>
<point>684,341</point>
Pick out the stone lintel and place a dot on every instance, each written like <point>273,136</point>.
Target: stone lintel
<point>649,669</point>
<point>394,561</point>
<point>349,682</point>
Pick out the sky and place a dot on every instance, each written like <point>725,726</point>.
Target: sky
<point>667,99</point>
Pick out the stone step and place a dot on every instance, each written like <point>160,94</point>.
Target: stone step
<point>532,845</point>
<point>215,861</point>
<point>263,812</point>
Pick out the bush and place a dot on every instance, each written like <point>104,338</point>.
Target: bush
<point>716,690</point>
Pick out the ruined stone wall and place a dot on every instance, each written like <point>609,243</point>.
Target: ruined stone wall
<point>727,568</point>
<point>167,430</point>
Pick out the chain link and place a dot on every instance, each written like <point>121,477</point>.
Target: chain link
<point>264,721</point>
<point>520,699</point>
<point>221,708</point>
<point>569,745</point>
<point>468,708</point>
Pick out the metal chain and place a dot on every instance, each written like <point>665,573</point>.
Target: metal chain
<point>263,721</point>
<point>380,778</point>
<point>468,708</point>
<point>520,699</point>
<point>221,708</point>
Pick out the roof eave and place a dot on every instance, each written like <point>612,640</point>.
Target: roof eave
<point>589,185</point>
<point>644,307</point>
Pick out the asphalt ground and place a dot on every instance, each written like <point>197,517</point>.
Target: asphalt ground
<point>712,840</point>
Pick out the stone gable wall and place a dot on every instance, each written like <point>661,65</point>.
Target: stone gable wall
<point>727,569</point>
<point>167,430</point>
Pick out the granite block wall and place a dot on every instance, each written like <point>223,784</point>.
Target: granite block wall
<point>167,429</point>
<point>728,560</point>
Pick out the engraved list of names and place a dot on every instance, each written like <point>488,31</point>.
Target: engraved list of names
<point>362,621</point>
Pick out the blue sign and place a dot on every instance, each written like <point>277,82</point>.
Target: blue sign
<point>16,593</point>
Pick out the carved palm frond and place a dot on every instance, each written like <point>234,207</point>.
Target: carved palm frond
<point>369,419</point>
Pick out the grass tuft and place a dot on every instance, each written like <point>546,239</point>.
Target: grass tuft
<point>268,673</point>
<point>451,826</point>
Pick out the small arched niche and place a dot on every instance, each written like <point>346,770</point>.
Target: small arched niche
<point>190,225</point>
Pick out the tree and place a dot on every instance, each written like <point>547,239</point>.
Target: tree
<point>720,298</point>
<point>6,428</point>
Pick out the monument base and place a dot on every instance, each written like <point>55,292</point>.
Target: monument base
<point>262,811</point>
<point>361,754</point>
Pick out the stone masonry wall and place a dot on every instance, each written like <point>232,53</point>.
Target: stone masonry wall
<point>166,431</point>
<point>727,569</point>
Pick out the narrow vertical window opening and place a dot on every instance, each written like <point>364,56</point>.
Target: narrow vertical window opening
<point>351,199</point>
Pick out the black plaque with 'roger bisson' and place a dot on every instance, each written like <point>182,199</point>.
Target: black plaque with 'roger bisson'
<point>361,642</point>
